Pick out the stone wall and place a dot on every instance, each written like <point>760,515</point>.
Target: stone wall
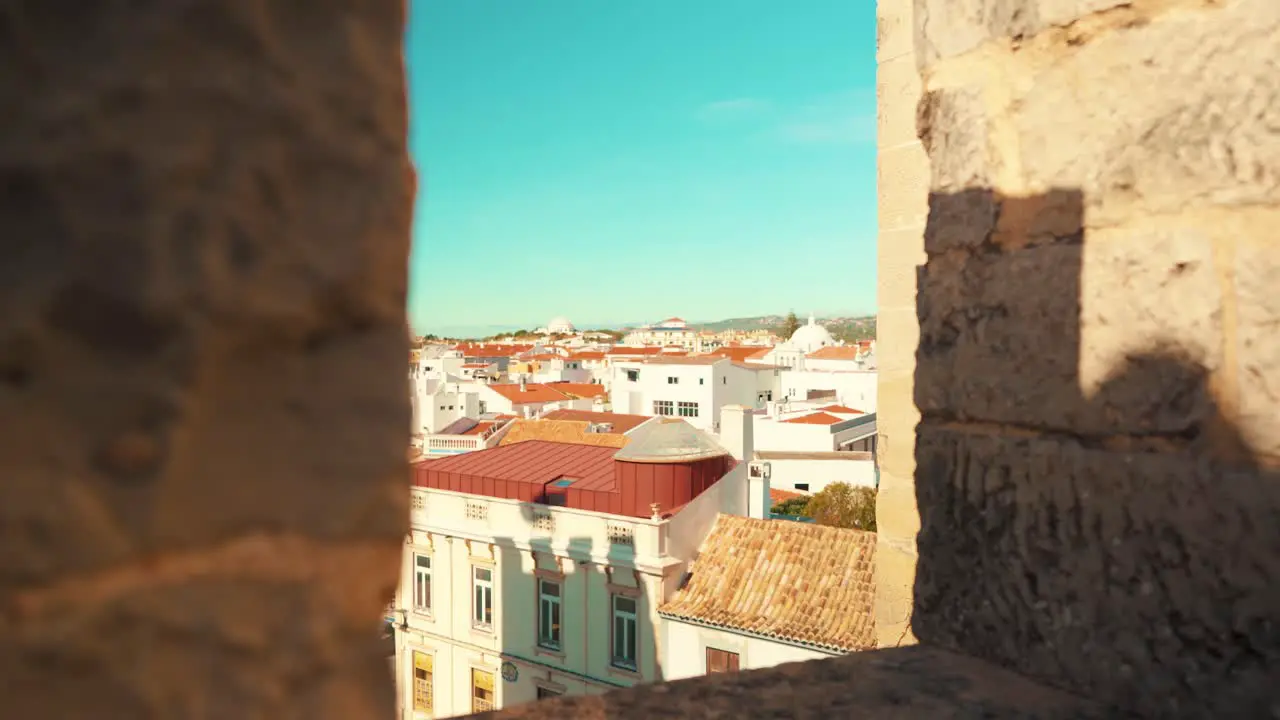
<point>1096,460</point>
<point>205,211</point>
<point>903,170</point>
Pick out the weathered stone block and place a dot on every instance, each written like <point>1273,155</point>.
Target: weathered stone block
<point>952,126</point>
<point>1135,145</point>
<point>946,28</point>
<point>1149,581</point>
<point>898,89</point>
<point>894,31</point>
<point>1257,276</point>
<point>903,187</point>
<point>895,577</point>
<point>1005,336</point>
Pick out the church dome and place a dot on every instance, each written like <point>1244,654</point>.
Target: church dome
<point>808,338</point>
<point>560,325</point>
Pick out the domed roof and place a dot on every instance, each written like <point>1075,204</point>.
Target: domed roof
<point>559,324</point>
<point>808,338</point>
<point>669,440</point>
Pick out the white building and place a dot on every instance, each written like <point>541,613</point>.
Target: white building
<point>762,593</point>
<point>524,399</point>
<point>560,326</point>
<point>670,332</point>
<point>534,574</point>
<point>806,473</point>
<point>694,388</point>
<point>438,402</point>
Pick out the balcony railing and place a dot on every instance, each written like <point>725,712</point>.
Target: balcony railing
<point>600,534</point>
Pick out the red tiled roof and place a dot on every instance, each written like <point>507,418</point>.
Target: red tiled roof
<point>582,390</point>
<point>673,319</point>
<point>492,351</point>
<point>818,418</point>
<point>587,355</point>
<point>621,423</point>
<point>736,353</point>
<point>476,365</point>
<point>841,409</point>
<point>777,496</point>
<point>674,359</point>
<point>533,393</point>
<point>835,352</point>
<point>637,351</point>
<point>479,428</point>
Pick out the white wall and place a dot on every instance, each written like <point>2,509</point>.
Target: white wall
<point>854,389</point>
<point>774,434</point>
<point>694,383</point>
<point>816,474</point>
<point>686,649</point>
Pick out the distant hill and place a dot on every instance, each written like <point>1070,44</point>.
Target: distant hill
<point>847,328</point>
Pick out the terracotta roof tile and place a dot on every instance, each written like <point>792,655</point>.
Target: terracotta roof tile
<point>737,353</point>
<point>581,390</point>
<point>818,418</point>
<point>673,359</point>
<point>835,352</point>
<point>621,422</point>
<point>618,350</point>
<point>533,393</point>
<point>561,431</point>
<point>759,354</point>
<point>795,581</point>
<point>841,409</point>
<point>587,355</point>
<point>776,496</point>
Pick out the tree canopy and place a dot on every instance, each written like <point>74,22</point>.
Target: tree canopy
<point>843,505</point>
<point>790,325</point>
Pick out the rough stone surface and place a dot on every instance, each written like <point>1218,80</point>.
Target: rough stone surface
<point>906,683</point>
<point>1149,581</point>
<point>1137,146</point>
<point>952,126</point>
<point>206,214</point>
<point>946,28</point>
<point>1257,275</point>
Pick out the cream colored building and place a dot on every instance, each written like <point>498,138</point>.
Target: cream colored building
<point>508,597</point>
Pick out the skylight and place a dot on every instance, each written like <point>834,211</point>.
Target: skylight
<point>563,482</point>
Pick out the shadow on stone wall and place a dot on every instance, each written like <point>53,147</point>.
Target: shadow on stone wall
<point>1122,544</point>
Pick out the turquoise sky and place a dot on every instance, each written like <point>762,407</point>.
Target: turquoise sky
<point>627,160</point>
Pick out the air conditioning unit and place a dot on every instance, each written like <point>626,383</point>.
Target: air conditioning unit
<point>760,470</point>
<point>604,427</point>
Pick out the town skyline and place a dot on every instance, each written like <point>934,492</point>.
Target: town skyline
<point>593,155</point>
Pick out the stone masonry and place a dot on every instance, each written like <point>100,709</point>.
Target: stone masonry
<point>205,211</point>
<point>1096,460</point>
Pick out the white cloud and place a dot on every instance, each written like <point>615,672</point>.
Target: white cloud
<point>847,118</point>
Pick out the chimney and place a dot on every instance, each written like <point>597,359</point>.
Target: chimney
<point>737,426</point>
<point>523,383</point>
<point>656,510</point>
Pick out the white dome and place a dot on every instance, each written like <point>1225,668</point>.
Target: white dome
<point>810,337</point>
<point>560,325</point>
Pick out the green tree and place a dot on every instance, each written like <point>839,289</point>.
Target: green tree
<point>790,325</point>
<point>791,506</point>
<point>842,505</point>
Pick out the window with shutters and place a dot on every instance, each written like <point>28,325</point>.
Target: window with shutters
<point>422,695</point>
<point>721,661</point>
<point>481,691</point>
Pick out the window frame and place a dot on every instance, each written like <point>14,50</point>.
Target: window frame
<point>553,640</point>
<point>617,661</point>
<point>421,578</point>
<point>732,660</point>
<point>483,704</point>
<point>476,586</point>
<point>425,702</point>
<point>669,406</point>
<point>686,409</point>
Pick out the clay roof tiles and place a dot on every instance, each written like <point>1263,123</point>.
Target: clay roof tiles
<point>818,418</point>
<point>561,431</point>
<point>532,393</point>
<point>580,390</point>
<point>622,423</point>
<point>835,352</point>
<point>798,582</point>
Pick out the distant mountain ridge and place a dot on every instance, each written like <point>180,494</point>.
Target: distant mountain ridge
<point>844,327</point>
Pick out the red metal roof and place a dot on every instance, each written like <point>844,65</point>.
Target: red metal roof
<point>534,462</point>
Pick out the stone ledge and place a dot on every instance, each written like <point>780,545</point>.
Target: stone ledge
<point>912,682</point>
